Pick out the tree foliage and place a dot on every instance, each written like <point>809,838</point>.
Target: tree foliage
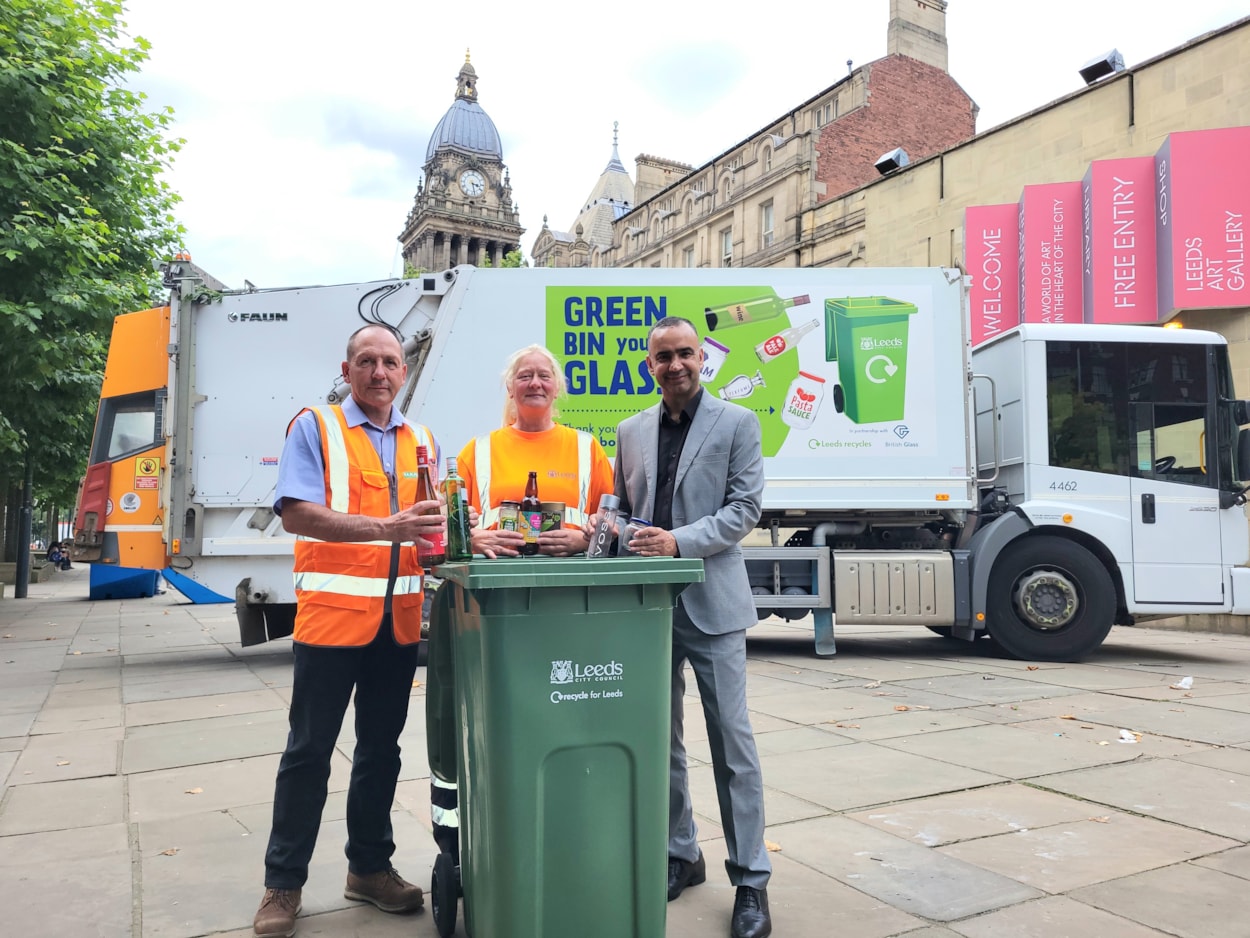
<point>83,214</point>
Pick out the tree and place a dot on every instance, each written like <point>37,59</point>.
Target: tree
<point>83,214</point>
<point>514,259</point>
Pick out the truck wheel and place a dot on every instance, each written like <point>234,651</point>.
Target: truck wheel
<point>1049,599</point>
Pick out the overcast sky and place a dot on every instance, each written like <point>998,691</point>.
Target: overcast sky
<point>306,123</point>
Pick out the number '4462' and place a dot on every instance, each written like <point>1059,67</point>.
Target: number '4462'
<point>1067,485</point>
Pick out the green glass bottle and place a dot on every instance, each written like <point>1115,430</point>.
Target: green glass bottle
<point>459,539</point>
<point>753,310</point>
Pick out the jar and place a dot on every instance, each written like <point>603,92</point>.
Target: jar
<point>509,516</point>
<point>635,525</point>
<point>803,401</point>
<point>714,355</point>
<point>553,516</point>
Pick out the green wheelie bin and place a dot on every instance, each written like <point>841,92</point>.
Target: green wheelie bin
<point>867,336</point>
<point>547,703</point>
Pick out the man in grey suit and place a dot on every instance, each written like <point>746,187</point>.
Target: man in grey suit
<point>692,465</point>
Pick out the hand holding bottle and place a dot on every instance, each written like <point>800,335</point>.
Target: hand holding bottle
<point>563,542</point>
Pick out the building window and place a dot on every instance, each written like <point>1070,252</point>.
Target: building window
<point>687,257</point>
<point>828,113</point>
<point>768,159</point>
<point>766,224</point>
<point>727,247</point>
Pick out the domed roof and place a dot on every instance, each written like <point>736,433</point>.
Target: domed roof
<point>466,126</point>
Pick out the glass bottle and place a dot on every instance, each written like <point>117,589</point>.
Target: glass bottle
<point>531,516</point>
<point>756,309</point>
<point>459,538</point>
<point>783,341</point>
<point>601,540</point>
<point>431,547</point>
<point>742,386</point>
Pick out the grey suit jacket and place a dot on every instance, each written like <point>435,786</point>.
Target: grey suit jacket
<point>716,501</point>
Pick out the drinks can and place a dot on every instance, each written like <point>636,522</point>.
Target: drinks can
<point>509,516</point>
<point>553,516</point>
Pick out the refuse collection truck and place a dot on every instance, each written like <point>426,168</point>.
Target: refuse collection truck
<point>1058,480</point>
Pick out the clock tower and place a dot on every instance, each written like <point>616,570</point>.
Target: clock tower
<point>463,212</point>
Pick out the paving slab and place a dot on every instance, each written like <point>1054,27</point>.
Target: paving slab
<point>212,739</point>
<point>970,815</point>
<point>53,806</point>
<point>1194,795</point>
<point>1235,862</point>
<point>222,786</point>
<point>53,883</point>
<point>843,910</point>
<point>1009,751</point>
<point>909,877</point>
<point>1186,900</point>
<point>859,775</point>
<point>1051,917</point>
<point>195,708</point>
<point>1066,856</point>
<point>62,756</point>
<point>902,723</point>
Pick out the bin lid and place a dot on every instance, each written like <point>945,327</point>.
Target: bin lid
<point>856,307</point>
<point>525,572</point>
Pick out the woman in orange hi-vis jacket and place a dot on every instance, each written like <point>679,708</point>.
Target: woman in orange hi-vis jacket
<point>571,465</point>
<point>572,468</point>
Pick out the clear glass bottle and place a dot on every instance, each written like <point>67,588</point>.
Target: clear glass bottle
<point>601,540</point>
<point>783,341</point>
<point>742,386</point>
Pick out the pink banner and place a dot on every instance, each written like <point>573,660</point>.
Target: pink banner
<point>1118,269</point>
<point>1050,253</point>
<point>1202,199</point>
<point>992,260</point>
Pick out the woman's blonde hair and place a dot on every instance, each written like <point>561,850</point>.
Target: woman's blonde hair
<point>510,372</point>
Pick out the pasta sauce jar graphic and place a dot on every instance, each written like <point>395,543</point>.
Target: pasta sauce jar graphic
<point>803,401</point>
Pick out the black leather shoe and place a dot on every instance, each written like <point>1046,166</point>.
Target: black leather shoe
<point>683,873</point>
<point>751,918</point>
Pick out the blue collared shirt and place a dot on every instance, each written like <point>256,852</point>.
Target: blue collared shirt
<point>301,471</point>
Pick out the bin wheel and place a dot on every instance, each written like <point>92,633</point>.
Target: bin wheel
<point>839,398</point>
<point>444,893</point>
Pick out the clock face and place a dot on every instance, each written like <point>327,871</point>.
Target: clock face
<point>472,183</point>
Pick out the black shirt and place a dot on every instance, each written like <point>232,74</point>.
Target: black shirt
<point>672,438</point>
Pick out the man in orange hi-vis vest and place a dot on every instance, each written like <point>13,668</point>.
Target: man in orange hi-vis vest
<point>347,488</point>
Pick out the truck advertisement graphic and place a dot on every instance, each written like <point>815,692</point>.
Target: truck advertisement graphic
<point>825,372</point>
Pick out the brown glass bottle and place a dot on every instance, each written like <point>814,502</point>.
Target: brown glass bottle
<point>531,515</point>
<point>431,548</point>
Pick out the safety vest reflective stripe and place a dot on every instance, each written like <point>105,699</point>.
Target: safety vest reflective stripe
<point>347,585</point>
<point>489,517</point>
<point>317,540</point>
<point>336,467</point>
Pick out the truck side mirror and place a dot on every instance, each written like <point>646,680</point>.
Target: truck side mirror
<point>1243,455</point>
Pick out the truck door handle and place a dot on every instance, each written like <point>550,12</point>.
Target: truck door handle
<point>1148,508</point>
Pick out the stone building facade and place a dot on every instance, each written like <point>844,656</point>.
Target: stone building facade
<point>463,212</point>
<point>747,206</point>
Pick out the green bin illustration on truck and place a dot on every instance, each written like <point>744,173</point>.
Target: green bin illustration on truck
<point>867,337</point>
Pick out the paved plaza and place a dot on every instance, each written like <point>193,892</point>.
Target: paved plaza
<point>916,786</point>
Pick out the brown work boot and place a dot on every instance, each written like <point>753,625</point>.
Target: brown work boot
<point>389,891</point>
<point>276,916</point>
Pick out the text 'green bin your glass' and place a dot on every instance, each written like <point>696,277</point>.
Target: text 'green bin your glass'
<point>867,337</point>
